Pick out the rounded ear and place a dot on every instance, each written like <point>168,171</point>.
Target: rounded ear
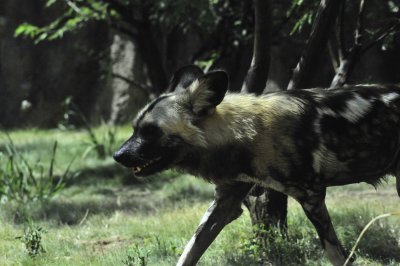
<point>208,91</point>
<point>183,77</point>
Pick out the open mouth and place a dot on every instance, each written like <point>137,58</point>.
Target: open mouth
<point>141,168</point>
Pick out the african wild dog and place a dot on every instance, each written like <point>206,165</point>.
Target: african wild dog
<point>297,142</point>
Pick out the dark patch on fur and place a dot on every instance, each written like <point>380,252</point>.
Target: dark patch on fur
<point>338,101</point>
<point>307,96</point>
<point>149,131</point>
<point>183,77</point>
<point>300,159</point>
<point>222,164</point>
<point>303,169</point>
<point>277,174</point>
<point>151,107</point>
<point>369,145</point>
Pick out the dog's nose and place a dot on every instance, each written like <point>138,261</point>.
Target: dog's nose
<point>124,157</point>
<point>119,156</point>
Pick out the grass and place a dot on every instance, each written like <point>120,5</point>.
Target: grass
<point>106,217</point>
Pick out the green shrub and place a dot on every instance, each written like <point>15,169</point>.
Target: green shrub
<point>25,182</point>
<point>137,257</point>
<point>295,247</point>
<point>32,238</point>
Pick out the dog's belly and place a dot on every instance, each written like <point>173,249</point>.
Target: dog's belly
<point>367,162</point>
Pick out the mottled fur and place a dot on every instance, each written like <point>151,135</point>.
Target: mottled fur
<point>296,142</point>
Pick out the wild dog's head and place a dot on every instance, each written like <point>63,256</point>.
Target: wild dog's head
<point>166,128</point>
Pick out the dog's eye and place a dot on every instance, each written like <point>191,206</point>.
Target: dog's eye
<point>174,137</point>
<point>149,130</point>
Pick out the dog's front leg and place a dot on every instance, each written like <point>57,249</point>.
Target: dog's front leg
<point>225,208</point>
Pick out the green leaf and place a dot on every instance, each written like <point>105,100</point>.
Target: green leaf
<point>42,37</point>
<point>26,29</point>
<point>50,3</point>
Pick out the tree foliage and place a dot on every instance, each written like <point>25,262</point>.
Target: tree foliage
<point>72,18</point>
<point>218,22</point>
<point>128,16</point>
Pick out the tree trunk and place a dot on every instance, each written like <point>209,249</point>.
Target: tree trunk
<point>344,69</point>
<point>350,57</point>
<point>127,80</point>
<point>151,55</point>
<point>257,75</point>
<point>323,24</point>
<point>267,207</point>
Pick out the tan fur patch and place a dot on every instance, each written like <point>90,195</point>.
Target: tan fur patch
<point>198,96</point>
<point>256,121</point>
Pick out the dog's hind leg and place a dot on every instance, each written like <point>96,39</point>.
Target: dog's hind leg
<point>316,211</point>
<point>225,208</point>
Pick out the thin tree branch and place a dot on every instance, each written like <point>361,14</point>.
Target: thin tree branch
<point>380,36</point>
<point>73,6</point>
<point>257,75</point>
<point>339,43</point>
<point>332,55</point>
<point>359,25</point>
<point>341,35</point>
<point>342,72</point>
<point>347,65</point>
<point>348,62</point>
<point>132,82</point>
<point>323,24</point>
<point>116,25</point>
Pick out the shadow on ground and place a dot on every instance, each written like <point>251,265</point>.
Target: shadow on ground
<point>105,191</point>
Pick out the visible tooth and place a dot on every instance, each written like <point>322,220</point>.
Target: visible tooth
<point>140,168</point>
